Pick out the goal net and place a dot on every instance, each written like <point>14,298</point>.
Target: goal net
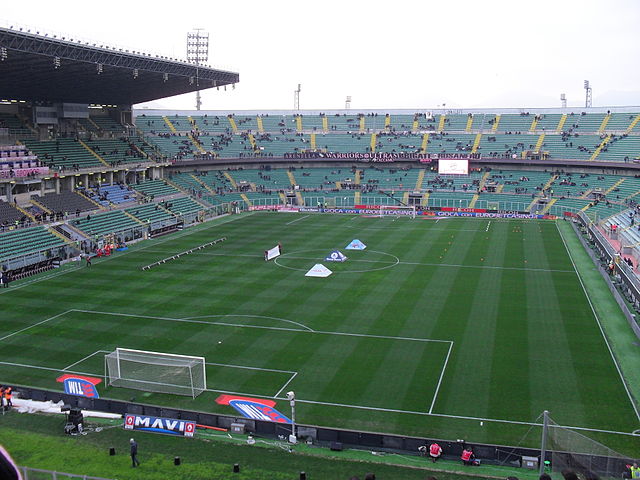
<point>156,372</point>
<point>571,450</point>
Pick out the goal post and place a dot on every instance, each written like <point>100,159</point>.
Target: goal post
<point>156,372</point>
<point>398,210</point>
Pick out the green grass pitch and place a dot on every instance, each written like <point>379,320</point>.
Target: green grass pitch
<point>436,326</point>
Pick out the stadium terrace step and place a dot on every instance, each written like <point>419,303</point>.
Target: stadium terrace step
<point>614,186</point>
<point>425,143</point>
<point>532,204</point>
<point>552,179</point>
<point>586,194</point>
<point>419,180</point>
<point>604,123</point>
<point>441,123</point>
<point>469,123</point>
<point>172,128</point>
<point>196,143</point>
<point>204,185</point>
<point>549,205</point>
<point>373,142</point>
<point>476,143</point>
<point>534,124</point>
<point>246,199</point>
<point>561,123</point>
<point>233,182</point>
<point>494,128</point>
<point>25,213</point>
<point>600,147</point>
<point>633,124</point>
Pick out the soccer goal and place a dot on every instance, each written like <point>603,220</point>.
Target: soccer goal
<point>156,372</point>
<point>398,210</point>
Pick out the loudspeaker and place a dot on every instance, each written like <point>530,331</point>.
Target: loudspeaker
<point>336,446</point>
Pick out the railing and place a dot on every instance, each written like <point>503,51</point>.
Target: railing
<point>627,281</point>
<point>21,261</point>
<point>29,473</point>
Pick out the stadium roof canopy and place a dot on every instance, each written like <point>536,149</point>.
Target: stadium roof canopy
<point>40,68</point>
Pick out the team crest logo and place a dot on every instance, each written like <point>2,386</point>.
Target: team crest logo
<point>80,385</point>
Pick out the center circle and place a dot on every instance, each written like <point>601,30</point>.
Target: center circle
<point>300,256</point>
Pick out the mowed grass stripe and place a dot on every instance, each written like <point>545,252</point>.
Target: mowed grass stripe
<point>551,365</point>
<point>509,390</point>
<point>458,321</point>
<point>475,346</point>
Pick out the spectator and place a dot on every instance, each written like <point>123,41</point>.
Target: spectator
<point>134,453</point>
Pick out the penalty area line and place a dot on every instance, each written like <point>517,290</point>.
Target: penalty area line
<point>444,367</point>
<point>296,220</point>
<point>34,325</point>
<point>286,384</point>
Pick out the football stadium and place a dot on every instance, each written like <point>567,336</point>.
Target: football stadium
<point>310,293</point>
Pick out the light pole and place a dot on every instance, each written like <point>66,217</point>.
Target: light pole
<point>291,396</point>
<point>198,53</point>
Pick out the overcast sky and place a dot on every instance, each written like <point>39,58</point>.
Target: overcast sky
<point>385,54</point>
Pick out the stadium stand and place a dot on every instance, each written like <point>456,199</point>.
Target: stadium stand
<point>64,154</point>
<point>107,194</point>
<point>27,240</point>
<point>13,124</point>
<point>155,188</point>
<point>116,151</point>
<point>150,213</point>
<point>183,206</point>
<point>9,215</point>
<point>106,223</point>
<point>66,202</point>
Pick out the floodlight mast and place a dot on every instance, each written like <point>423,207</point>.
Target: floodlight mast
<point>296,98</point>
<point>198,53</point>
<point>588,94</point>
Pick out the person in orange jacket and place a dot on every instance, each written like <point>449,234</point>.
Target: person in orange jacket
<point>435,451</point>
<point>467,456</point>
<point>7,397</point>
